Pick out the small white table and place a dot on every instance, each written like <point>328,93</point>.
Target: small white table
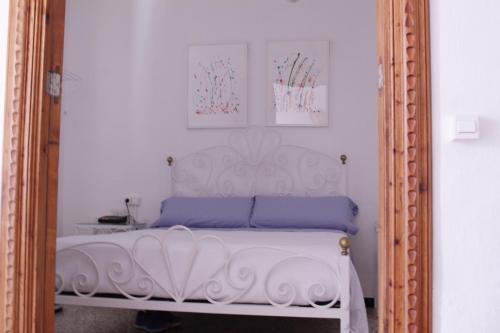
<point>101,228</point>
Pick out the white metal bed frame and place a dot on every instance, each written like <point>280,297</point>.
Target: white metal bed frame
<point>253,163</point>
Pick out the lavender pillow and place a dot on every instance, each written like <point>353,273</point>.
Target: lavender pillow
<point>305,212</point>
<point>231,212</point>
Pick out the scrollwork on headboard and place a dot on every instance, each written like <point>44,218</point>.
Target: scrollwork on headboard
<point>255,162</point>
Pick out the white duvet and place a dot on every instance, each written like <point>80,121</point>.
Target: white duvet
<point>236,266</point>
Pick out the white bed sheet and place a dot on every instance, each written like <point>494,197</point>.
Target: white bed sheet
<point>262,265</point>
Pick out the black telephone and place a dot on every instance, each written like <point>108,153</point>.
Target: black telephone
<point>113,219</point>
<point>117,219</point>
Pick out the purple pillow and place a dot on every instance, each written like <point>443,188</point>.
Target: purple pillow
<point>233,212</point>
<point>305,213</point>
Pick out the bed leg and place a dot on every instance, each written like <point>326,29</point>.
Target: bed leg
<point>345,286</point>
<point>345,325</point>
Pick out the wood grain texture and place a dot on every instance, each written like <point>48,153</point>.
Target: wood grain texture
<point>27,247</point>
<point>12,160</point>
<point>405,255</point>
<point>52,106</point>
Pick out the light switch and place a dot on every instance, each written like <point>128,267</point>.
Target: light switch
<point>465,127</point>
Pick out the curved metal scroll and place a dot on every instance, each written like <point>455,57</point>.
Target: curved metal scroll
<point>255,162</point>
<point>226,279</point>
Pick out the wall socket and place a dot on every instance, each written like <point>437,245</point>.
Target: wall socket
<point>134,200</point>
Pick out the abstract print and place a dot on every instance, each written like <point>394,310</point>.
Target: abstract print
<point>298,73</point>
<point>295,83</point>
<point>217,86</point>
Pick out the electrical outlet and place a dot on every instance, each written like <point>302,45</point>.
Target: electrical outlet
<point>134,200</point>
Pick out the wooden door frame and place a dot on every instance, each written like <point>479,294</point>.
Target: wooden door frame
<point>405,238</point>
<point>31,154</point>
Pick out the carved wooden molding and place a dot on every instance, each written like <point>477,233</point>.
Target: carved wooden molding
<point>405,155</point>
<point>29,193</point>
<point>16,70</point>
<point>27,231</point>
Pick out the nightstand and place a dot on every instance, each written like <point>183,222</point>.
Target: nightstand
<point>100,228</point>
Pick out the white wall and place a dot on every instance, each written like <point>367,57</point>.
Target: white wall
<point>466,80</point>
<point>125,100</point>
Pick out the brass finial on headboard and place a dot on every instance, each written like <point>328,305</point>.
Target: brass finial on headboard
<point>345,244</point>
<point>343,158</point>
<point>170,160</point>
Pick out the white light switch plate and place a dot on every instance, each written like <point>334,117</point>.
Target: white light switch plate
<point>465,127</point>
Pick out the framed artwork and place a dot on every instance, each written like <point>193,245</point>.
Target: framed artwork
<point>217,89</point>
<point>298,75</point>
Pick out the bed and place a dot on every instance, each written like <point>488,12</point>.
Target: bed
<point>288,271</point>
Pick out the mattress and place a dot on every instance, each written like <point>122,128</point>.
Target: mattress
<point>222,266</point>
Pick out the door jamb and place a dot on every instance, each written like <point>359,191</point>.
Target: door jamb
<point>31,153</point>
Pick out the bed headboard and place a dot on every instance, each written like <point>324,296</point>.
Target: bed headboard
<point>255,162</point>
